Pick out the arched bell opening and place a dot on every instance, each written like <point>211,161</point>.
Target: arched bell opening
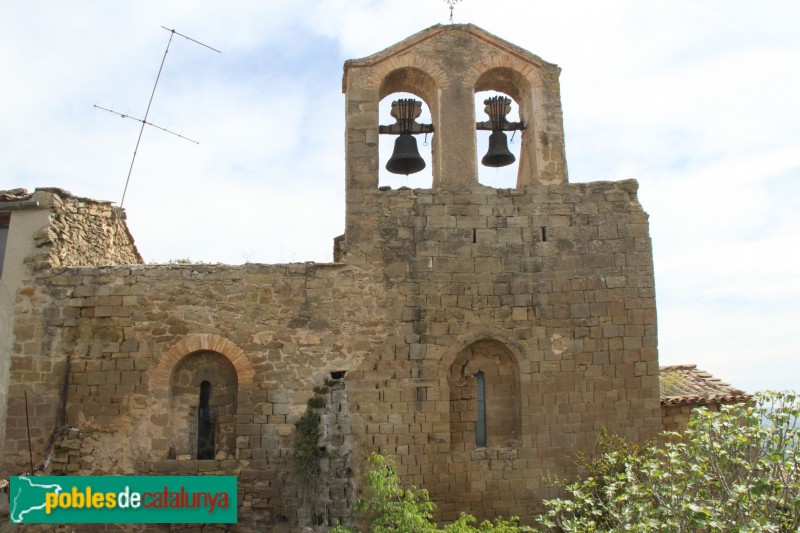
<point>492,146</point>
<point>402,148</point>
<point>401,86</point>
<point>521,126</point>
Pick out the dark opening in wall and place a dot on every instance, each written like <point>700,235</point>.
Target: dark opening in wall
<point>205,423</point>
<point>480,425</point>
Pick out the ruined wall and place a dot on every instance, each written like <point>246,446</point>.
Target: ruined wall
<point>54,228</point>
<point>561,277</point>
<point>131,332</point>
<point>84,232</point>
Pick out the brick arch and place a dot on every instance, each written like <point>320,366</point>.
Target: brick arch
<point>486,333</point>
<point>411,80</point>
<point>160,378</point>
<point>380,71</point>
<point>528,72</point>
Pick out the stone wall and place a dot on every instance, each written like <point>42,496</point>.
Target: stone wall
<point>55,228</point>
<point>129,330</point>
<point>548,290</point>
<point>676,417</point>
<point>6,344</point>
<point>560,276</point>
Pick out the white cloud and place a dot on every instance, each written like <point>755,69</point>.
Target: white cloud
<point>696,99</point>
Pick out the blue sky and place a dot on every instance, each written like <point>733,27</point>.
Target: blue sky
<point>698,100</point>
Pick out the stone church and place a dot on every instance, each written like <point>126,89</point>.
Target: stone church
<point>481,336</point>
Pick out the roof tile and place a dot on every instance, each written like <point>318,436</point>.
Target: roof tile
<point>685,384</point>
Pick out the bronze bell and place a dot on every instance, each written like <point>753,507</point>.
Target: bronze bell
<point>498,154</point>
<point>405,158</point>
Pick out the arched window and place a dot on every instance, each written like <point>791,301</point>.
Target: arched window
<point>202,422</point>
<point>484,397</point>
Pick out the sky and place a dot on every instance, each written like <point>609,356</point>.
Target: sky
<point>697,100</point>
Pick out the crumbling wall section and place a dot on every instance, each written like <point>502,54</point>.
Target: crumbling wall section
<point>57,228</point>
<point>85,232</point>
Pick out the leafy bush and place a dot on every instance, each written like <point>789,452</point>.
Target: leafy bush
<point>733,470</point>
<point>392,508</point>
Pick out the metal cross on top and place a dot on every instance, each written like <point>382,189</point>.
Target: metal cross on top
<point>452,4</point>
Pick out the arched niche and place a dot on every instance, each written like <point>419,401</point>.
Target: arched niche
<point>202,406</point>
<point>497,395</point>
<point>510,82</point>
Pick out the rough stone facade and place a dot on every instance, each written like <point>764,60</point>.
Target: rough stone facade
<point>48,228</point>
<point>547,290</point>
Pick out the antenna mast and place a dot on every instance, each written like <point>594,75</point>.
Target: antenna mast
<point>172,33</point>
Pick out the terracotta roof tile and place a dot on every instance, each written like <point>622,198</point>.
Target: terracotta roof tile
<point>685,384</point>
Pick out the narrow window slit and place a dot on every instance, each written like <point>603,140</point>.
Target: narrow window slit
<point>480,424</point>
<point>205,423</point>
<point>544,234</point>
<point>474,235</point>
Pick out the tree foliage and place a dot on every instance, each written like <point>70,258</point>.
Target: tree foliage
<point>733,470</point>
<point>390,507</point>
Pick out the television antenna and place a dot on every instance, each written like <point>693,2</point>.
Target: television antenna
<point>172,34</point>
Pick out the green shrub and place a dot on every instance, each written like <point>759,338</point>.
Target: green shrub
<point>392,508</point>
<point>733,470</point>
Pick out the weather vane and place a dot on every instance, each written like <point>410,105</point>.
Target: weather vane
<point>144,121</point>
<point>452,4</point>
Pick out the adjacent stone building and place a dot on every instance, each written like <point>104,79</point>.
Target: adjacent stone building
<point>685,387</point>
<point>481,336</point>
